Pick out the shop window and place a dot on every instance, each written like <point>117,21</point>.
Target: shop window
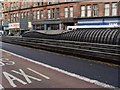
<point>39,27</point>
<point>53,27</point>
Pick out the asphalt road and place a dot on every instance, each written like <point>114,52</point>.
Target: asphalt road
<point>21,73</point>
<point>102,72</point>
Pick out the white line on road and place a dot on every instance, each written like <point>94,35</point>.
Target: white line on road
<point>1,87</point>
<point>46,77</point>
<point>12,78</point>
<point>64,72</point>
<point>26,76</point>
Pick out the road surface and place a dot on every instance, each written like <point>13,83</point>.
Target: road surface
<point>21,73</point>
<point>100,72</point>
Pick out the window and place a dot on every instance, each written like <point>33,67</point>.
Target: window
<point>71,11</point>
<point>16,17</point>
<point>57,1</point>
<point>42,14</point>
<point>34,3</point>
<point>38,15</point>
<point>66,12</point>
<point>57,13</point>
<point>53,1</point>
<point>24,14</point>
<point>38,2</point>
<point>6,17</point>
<point>1,15</point>
<point>88,10</point>
<point>107,9</point>
<point>42,2</point>
<point>48,2</point>
<point>16,5</point>
<point>82,11</point>
<point>34,15</point>
<point>65,0</point>
<point>23,4</point>
<point>28,4</point>
<point>95,10</point>
<point>114,9</point>
<point>53,13</point>
<point>29,15</point>
<point>11,6</point>
<point>11,18</point>
<point>1,6</point>
<point>49,14</point>
<point>21,15</point>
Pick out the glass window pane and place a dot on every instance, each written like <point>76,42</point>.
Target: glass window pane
<point>48,14</point>
<point>107,9</point>
<point>66,12</point>
<point>114,9</point>
<point>88,10</point>
<point>95,10</point>
<point>82,11</point>
<point>71,11</point>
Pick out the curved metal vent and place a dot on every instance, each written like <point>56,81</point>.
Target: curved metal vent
<point>104,36</point>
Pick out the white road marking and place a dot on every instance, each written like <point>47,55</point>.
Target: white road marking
<point>5,61</point>
<point>1,87</point>
<point>11,78</point>
<point>1,64</point>
<point>64,72</point>
<point>26,76</point>
<point>46,77</point>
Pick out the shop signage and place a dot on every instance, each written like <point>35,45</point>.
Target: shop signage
<point>37,22</point>
<point>14,25</point>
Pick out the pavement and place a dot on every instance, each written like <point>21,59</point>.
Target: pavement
<point>20,72</point>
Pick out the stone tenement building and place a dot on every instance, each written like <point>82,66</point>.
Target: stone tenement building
<point>1,14</point>
<point>57,14</point>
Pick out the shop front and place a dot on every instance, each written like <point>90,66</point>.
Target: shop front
<point>14,28</point>
<point>38,25</point>
<point>5,28</point>
<point>68,22</point>
<point>47,25</point>
<point>103,21</point>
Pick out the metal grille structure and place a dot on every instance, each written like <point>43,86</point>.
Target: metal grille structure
<point>103,36</point>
